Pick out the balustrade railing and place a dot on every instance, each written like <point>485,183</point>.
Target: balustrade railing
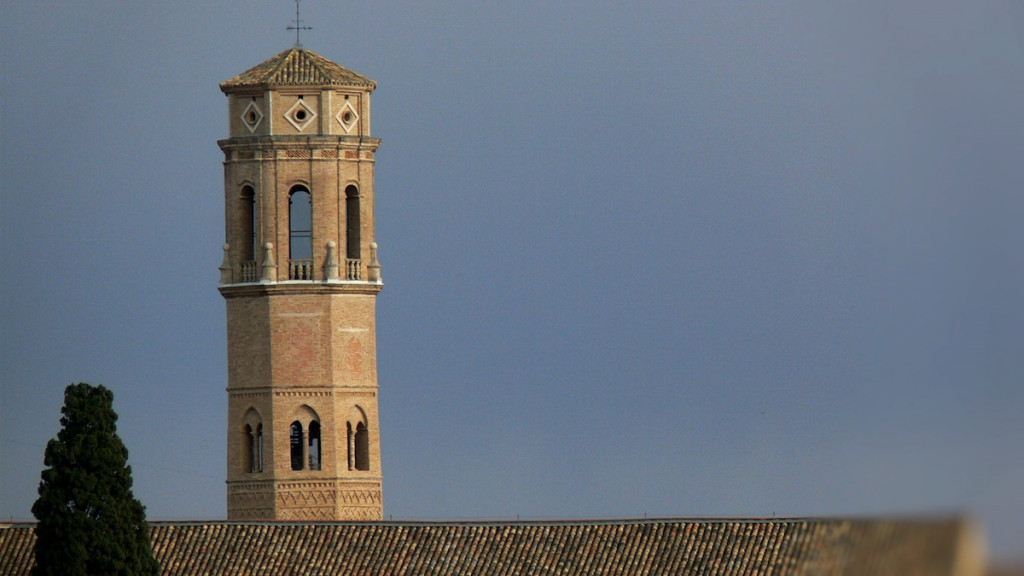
<point>300,269</point>
<point>250,271</point>
<point>353,269</point>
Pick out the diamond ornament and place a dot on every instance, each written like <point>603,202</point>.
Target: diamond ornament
<point>252,116</point>
<point>347,117</point>
<point>300,115</point>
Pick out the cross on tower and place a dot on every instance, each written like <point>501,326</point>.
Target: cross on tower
<point>298,25</point>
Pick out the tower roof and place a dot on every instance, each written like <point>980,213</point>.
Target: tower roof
<point>297,66</point>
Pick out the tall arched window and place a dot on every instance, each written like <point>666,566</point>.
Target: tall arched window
<point>352,238</point>
<point>249,241</point>
<point>362,442</point>
<point>252,443</point>
<point>248,449</point>
<point>351,445</point>
<point>300,234</point>
<point>296,445</point>
<point>314,445</point>
<point>258,450</point>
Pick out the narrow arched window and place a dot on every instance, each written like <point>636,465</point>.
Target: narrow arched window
<point>362,442</point>
<point>258,454</point>
<point>247,222</point>
<point>296,445</point>
<point>300,233</point>
<point>352,238</point>
<point>351,444</point>
<point>247,242</point>
<point>314,445</point>
<point>248,449</point>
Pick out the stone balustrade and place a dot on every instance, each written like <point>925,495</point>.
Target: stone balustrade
<point>252,271</point>
<point>300,270</point>
<point>353,269</point>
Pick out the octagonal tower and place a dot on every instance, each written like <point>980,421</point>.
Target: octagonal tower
<point>300,277</point>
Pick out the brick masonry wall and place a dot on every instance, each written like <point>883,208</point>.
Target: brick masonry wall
<point>304,357</point>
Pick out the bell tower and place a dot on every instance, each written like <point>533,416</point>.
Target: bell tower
<point>300,277</point>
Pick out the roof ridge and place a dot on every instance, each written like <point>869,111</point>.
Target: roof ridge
<point>283,64</point>
<point>570,522</point>
<point>314,60</point>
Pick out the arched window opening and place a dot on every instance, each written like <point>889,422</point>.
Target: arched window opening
<point>249,244</point>
<point>362,442</point>
<point>296,444</point>
<point>247,241</point>
<point>352,223</point>
<point>258,454</point>
<point>314,445</point>
<point>248,449</point>
<point>252,442</point>
<point>352,234</point>
<point>351,446</point>
<point>300,234</point>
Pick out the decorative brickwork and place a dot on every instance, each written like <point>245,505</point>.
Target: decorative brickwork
<point>323,498</point>
<point>250,395</point>
<point>253,500</point>
<point>303,394</point>
<point>360,497</point>
<point>307,514</point>
<point>367,514</point>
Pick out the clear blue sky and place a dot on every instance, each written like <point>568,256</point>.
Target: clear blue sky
<point>670,258</point>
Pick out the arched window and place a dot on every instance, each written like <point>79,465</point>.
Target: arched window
<point>351,445</point>
<point>314,445</point>
<point>362,442</point>
<point>252,442</point>
<point>300,225</point>
<point>258,453</point>
<point>296,444</point>
<point>248,449</point>
<point>249,241</point>
<point>352,239</point>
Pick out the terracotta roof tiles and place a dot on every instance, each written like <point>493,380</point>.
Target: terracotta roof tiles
<point>297,67</point>
<point>637,547</point>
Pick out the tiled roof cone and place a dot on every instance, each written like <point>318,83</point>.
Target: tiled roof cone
<point>297,66</point>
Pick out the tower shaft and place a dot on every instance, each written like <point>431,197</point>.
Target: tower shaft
<point>300,278</point>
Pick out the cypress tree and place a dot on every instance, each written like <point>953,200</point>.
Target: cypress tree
<point>89,520</point>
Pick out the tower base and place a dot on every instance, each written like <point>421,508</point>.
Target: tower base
<point>306,500</point>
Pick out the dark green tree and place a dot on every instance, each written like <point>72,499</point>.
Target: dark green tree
<point>89,521</point>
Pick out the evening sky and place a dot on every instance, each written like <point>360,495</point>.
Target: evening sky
<point>665,258</point>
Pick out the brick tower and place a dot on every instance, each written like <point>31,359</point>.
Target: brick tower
<point>301,278</point>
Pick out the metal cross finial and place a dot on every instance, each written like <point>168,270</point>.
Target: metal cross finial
<point>298,25</point>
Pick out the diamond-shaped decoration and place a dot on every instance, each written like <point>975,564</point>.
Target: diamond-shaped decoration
<point>347,117</point>
<point>300,115</point>
<point>252,116</point>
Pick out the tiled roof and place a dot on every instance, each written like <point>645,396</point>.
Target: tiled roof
<point>297,67</point>
<point>637,547</point>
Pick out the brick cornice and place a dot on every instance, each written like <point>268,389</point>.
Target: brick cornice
<point>285,142</point>
<point>251,290</point>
